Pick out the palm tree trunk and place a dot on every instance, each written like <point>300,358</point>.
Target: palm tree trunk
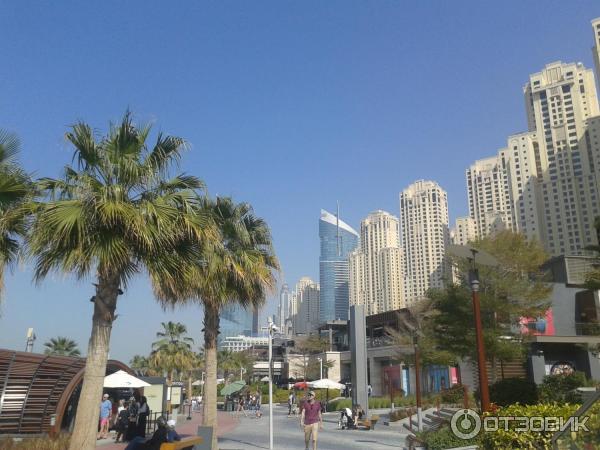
<point>211,331</point>
<point>88,408</point>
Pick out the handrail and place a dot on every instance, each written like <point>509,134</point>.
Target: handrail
<point>558,436</point>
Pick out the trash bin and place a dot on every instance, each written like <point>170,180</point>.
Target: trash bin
<point>229,405</point>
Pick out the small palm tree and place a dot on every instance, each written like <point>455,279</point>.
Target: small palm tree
<point>15,188</point>
<point>240,270</point>
<point>115,213</point>
<point>140,365</point>
<point>173,351</point>
<point>61,346</point>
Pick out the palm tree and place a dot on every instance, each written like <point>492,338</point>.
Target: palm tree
<point>61,346</point>
<point>15,187</point>
<point>239,270</point>
<point>173,351</point>
<point>140,365</point>
<point>114,213</point>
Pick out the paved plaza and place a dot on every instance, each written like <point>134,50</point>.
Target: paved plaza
<point>253,434</point>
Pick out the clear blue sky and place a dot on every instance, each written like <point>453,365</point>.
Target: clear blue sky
<point>288,105</point>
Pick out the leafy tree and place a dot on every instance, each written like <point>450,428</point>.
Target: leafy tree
<point>239,269</point>
<point>114,213</point>
<point>172,353</point>
<point>307,347</point>
<point>15,189</point>
<point>232,362</point>
<point>514,289</point>
<point>592,279</point>
<point>61,346</point>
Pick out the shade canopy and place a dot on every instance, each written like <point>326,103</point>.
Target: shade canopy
<point>234,387</point>
<point>198,383</point>
<point>265,378</point>
<point>122,379</point>
<point>326,383</point>
<point>300,385</point>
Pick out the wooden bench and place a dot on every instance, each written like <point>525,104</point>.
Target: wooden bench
<point>185,443</point>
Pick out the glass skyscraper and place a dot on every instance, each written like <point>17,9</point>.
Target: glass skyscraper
<point>237,321</point>
<point>338,239</point>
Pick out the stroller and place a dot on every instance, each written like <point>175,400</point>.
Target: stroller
<point>346,421</point>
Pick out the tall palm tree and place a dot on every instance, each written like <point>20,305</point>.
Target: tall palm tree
<point>240,270</point>
<point>114,213</point>
<point>140,365</point>
<point>173,351</point>
<point>15,187</point>
<point>61,346</point>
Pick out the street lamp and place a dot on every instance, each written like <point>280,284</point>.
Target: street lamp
<point>242,370</point>
<point>271,328</point>
<point>321,363</point>
<point>488,260</point>
<point>418,381</point>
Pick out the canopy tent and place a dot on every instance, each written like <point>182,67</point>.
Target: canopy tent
<point>122,379</point>
<point>300,385</point>
<point>234,387</point>
<point>326,383</point>
<point>265,378</point>
<point>198,383</point>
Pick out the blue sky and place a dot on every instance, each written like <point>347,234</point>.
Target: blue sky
<point>288,105</point>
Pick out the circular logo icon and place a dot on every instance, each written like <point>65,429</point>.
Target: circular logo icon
<point>465,424</point>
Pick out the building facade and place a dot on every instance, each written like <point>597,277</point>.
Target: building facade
<point>283,308</point>
<point>425,235</point>
<point>488,194</point>
<point>464,231</point>
<point>376,267</point>
<point>237,321</point>
<point>338,240</point>
<point>305,306</point>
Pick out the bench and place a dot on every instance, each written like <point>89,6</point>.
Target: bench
<point>185,443</point>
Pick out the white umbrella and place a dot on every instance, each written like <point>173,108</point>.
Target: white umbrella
<point>265,378</point>
<point>122,379</point>
<point>198,383</point>
<point>325,383</point>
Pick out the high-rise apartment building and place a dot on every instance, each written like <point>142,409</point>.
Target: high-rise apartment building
<point>464,231</point>
<point>376,268</point>
<point>338,240</point>
<point>305,301</point>
<point>425,235</point>
<point>596,48</point>
<point>237,321</point>
<point>282,310</point>
<point>489,201</point>
<point>562,180</point>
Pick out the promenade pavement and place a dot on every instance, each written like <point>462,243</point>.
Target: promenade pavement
<point>253,434</point>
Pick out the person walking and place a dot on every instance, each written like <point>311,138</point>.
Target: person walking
<point>143,412</point>
<point>132,414</point>
<point>291,401</point>
<point>122,422</point>
<point>105,415</point>
<point>311,420</point>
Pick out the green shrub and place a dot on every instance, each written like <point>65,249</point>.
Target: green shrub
<point>513,390</point>
<point>453,395</point>
<point>338,405</point>
<point>443,438</point>
<point>511,439</point>
<point>559,388</point>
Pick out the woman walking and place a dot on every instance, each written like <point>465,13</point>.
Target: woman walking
<point>142,417</point>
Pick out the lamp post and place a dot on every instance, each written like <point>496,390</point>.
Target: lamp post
<point>418,382</point>
<point>483,379</point>
<point>321,363</point>
<point>271,329</point>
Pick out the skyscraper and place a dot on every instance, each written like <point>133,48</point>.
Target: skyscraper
<point>464,231</point>
<point>560,100</point>
<point>305,306</point>
<point>282,310</point>
<point>237,321</point>
<point>375,268</point>
<point>488,191</point>
<point>338,239</point>
<point>596,48</point>
<point>425,235</point>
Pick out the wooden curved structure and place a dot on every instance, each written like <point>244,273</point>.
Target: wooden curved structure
<point>35,390</point>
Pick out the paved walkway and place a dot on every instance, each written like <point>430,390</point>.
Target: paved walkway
<point>226,423</point>
<point>253,434</point>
